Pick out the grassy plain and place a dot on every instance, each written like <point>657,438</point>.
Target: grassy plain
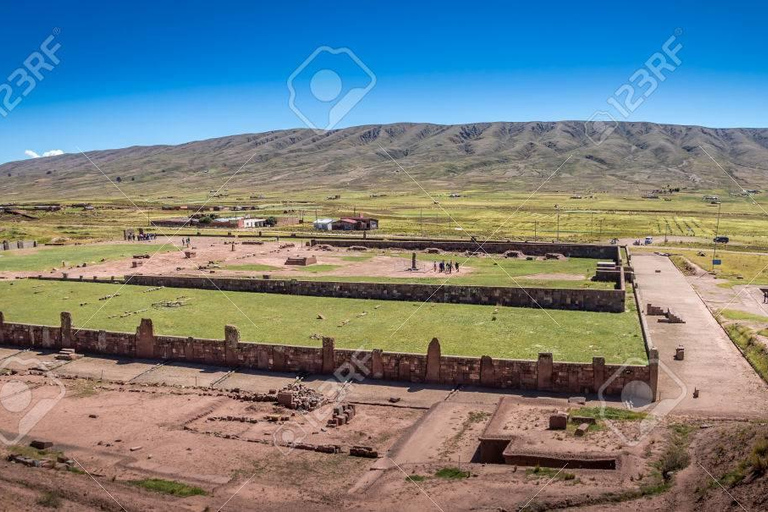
<point>735,267</point>
<point>518,333</point>
<point>483,213</point>
<point>45,258</point>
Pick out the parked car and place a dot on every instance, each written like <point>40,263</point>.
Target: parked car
<point>721,239</point>
<point>648,240</point>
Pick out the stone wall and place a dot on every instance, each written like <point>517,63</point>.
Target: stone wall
<point>543,374</point>
<point>18,244</point>
<point>581,299</point>
<point>603,252</point>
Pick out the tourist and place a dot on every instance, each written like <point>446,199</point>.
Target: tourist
<point>434,266</point>
<point>457,266</point>
<point>442,266</point>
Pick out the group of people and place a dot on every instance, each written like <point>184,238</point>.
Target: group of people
<point>141,237</point>
<point>446,267</point>
<point>186,242</point>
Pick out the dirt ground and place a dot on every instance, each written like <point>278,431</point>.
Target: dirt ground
<point>146,419</point>
<point>274,254</point>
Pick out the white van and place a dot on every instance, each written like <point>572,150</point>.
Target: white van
<point>648,240</point>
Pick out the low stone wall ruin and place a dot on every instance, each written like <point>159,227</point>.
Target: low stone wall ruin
<point>595,251</point>
<point>5,245</point>
<point>581,299</point>
<point>543,374</point>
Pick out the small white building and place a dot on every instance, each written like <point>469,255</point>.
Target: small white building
<point>254,223</point>
<point>323,224</point>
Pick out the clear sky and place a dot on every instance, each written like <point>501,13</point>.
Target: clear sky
<point>141,72</point>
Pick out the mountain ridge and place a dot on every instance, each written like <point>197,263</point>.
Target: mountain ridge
<point>516,155</point>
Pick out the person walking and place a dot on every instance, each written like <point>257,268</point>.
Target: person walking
<point>457,266</point>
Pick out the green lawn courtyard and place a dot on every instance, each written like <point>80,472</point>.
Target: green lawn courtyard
<point>515,333</point>
<point>46,258</point>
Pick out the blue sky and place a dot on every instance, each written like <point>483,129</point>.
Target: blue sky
<point>140,73</point>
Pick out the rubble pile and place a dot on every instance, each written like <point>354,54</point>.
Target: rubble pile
<point>300,397</point>
<point>342,414</point>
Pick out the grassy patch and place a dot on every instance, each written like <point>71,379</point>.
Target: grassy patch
<point>683,265</point>
<point>46,258</point>
<point>609,413</point>
<point>492,270</point>
<point>168,487</point>
<point>415,478</point>
<point>674,458</point>
<point>317,269</point>
<point>472,418</point>
<point>356,258</point>
<point>755,465</point>
<point>550,473</point>
<point>49,500</point>
<point>452,473</point>
<point>737,268</point>
<point>754,350</point>
<point>33,453</point>
<point>735,314</point>
<point>463,329</point>
<point>252,267</point>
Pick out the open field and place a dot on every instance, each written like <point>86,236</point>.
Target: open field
<point>736,267</point>
<point>46,258</point>
<point>479,212</point>
<point>516,333</point>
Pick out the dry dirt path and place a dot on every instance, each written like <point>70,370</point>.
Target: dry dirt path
<point>728,384</point>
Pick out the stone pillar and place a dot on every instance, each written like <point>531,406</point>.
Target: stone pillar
<point>404,369</point>
<point>278,358</point>
<point>653,366</point>
<point>145,339</point>
<point>263,355</point>
<point>413,261</point>
<point>231,340</point>
<point>433,361</point>
<point>598,373</point>
<point>377,365</point>
<point>66,330</point>
<point>544,371</point>
<point>329,356</point>
<point>487,372</point>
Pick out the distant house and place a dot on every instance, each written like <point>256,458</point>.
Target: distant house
<point>175,222</point>
<point>355,224</point>
<point>254,223</point>
<point>239,222</point>
<point>323,224</point>
<point>228,222</point>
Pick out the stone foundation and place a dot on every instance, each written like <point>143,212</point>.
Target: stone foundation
<point>603,252</point>
<point>580,299</point>
<point>543,374</point>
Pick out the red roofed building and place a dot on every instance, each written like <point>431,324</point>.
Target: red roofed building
<point>355,224</point>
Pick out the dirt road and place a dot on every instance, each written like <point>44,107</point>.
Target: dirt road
<point>728,385</point>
